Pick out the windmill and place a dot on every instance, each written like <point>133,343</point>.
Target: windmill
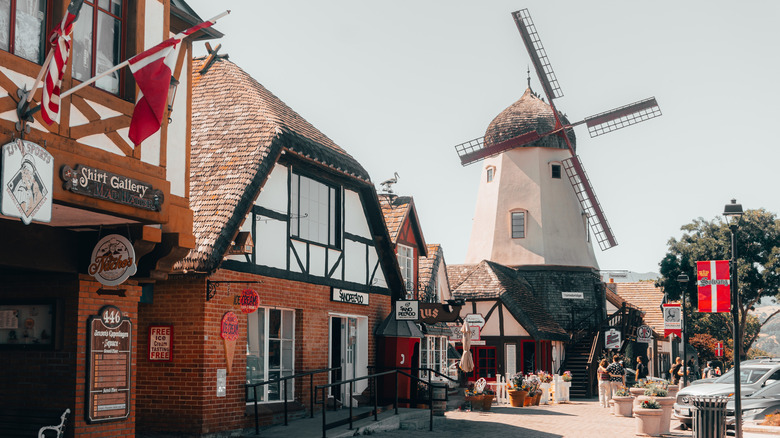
<point>599,124</point>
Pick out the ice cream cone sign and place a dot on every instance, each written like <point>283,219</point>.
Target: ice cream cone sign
<point>229,333</point>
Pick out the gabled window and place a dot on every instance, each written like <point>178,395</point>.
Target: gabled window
<point>314,211</point>
<point>23,28</point>
<point>518,224</point>
<point>406,262</point>
<point>98,42</point>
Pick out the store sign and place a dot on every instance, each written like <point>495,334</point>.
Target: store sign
<point>109,357</point>
<point>407,310</point>
<point>161,343</point>
<point>431,313</point>
<point>113,260</point>
<point>644,334</point>
<point>228,331</point>
<point>348,296</point>
<point>572,295</point>
<point>98,183</point>
<point>672,319</point>
<point>611,339</point>
<point>475,319</point>
<point>249,301</point>
<point>27,178</point>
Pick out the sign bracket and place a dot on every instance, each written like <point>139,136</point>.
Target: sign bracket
<point>211,286</point>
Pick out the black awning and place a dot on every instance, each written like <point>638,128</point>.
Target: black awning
<point>398,329</point>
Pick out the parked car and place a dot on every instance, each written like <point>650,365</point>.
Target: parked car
<point>754,375</point>
<point>756,406</point>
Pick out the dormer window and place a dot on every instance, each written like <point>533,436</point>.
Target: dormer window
<point>491,172</point>
<point>314,208</point>
<point>518,224</point>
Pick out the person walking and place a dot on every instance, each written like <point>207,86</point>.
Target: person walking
<point>641,370</point>
<point>709,371</point>
<point>617,375</point>
<point>605,391</point>
<point>675,371</point>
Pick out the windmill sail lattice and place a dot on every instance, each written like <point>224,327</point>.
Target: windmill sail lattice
<point>589,202</point>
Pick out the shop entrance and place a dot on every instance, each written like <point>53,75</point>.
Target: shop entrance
<point>343,353</point>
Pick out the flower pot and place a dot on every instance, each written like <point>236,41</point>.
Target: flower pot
<point>529,400</point>
<point>537,398</point>
<point>636,392</point>
<point>623,406</point>
<point>672,389</point>
<point>667,406</point>
<point>545,399</point>
<point>648,421</point>
<point>476,401</point>
<point>517,397</point>
<point>487,401</point>
<point>564,390</point>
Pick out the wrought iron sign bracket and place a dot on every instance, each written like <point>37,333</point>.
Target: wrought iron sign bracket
<point>211,286</point>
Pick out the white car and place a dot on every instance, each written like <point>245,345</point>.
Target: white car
<point>754,375</point>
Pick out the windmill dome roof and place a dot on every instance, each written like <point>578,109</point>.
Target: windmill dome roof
<point>528,114</point>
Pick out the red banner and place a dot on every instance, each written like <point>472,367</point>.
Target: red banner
<point>672,319</point>
<point>714,286</point>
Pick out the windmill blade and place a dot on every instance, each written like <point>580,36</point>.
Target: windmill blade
<point>538,55</point>
<point>476,150</point>
<point>622,117</point>
<point>589,202</point>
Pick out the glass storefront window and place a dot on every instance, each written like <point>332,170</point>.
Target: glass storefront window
<point>270,352</point>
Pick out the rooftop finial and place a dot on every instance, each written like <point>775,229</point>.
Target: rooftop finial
<point>387,185</point>
<point>529,76</point>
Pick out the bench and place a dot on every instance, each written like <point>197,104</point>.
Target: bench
<point>29,423</point>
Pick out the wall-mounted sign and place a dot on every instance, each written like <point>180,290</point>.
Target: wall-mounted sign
<point>431,313</point>
<point>672,319</point>
<point>109,186</point>
<point>572,295</point>
<point>161,343</point>
<point>113,260</point>
<point>475,319</point>
<point>644,334</point>
<point>407,310</point>
<point>348,296</point>
<point>249,301</point>
<point>229,333</point>
<point>221,382</point>
<point>27,177</point>
<point>611,339</point>
<point>109,356</point>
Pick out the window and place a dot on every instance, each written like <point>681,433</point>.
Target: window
<point>518,224</point>
<point>406,262</point>
<point>491,172</point>
<point>23,28</point>
<point>556,171</point>
<point>270,352</point>
<point>433,355</point>
<point>97,42</point>
<point>313,208</point>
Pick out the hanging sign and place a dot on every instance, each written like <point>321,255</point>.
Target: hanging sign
<point>101,184</point>
<point>113,260</point>
<point>672,319</point>
<point>475,319</point>
<point>612,339</point>
<point>714,285</point>
<point>348,296</point>
<point>431,313</point>
<point>27,177</point>
<point>161,343</point>
<point>719,349</point>
<point>644,334</point>
<point>109,354</point>
<point>249,301</point>
<point>407,310</point>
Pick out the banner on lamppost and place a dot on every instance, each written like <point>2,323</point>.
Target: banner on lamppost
<point>719,349</point>
<point>714,286</point>
<point>672,319</point>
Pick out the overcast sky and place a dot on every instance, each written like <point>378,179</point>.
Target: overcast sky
<point>398,84</point>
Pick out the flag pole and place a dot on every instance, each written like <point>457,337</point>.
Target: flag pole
<point>40,75</point>
<point>126,62</point>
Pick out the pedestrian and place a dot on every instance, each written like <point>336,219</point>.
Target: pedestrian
<point>675,371</point>
<point>709,371</point>
<point>605,391</point>
<point>641,371</point>
<point>617,375</point>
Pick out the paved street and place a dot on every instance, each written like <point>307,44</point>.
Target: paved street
<point>581,418</point>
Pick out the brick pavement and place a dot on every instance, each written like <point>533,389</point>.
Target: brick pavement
<point>578,419</point>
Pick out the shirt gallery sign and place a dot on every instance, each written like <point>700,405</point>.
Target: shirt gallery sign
<point>100,184</point>
<point>352,297</point>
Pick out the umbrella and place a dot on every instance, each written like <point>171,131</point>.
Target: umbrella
<point>466,362</point>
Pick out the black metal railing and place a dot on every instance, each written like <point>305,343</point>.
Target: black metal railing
<point>281,382</point>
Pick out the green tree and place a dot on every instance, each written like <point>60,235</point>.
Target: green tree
<point>758,261</point>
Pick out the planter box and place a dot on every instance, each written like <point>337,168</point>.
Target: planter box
<point>623,406</point>
<point>648,421</point>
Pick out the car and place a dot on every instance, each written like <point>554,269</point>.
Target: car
<point>754,375</point>
<point>756,406</point>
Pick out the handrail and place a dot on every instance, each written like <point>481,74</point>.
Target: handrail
<point>280,379</point>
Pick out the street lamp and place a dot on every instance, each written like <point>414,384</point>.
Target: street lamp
<point>733,214</point>
<point>683,280</point>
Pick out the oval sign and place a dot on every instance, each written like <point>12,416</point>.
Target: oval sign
<point>113,260</point>
<point>110,316</point>
<point>229,330</point>
<point>249,301</point>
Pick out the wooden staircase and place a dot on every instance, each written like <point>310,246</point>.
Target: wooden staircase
<point>577,355</point>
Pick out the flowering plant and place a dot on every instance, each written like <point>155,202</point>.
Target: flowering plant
<point>544,377</point>
<point>623,392</point>
<point>650,404</point>
<point>566,377</point>
<point>656,391</point>
<point>516,382</point>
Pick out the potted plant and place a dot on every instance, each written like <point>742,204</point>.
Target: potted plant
<point>474,398</point>
<point>546,379</point>
<point>661,395</point>
<point>623,402</point>
<point>638,389</point>
<point>422,395</point>
<point>563,386</point>
<point>531,384</point>
<point>516,392</point>
<point>648,418</point>
<point>487,399</point>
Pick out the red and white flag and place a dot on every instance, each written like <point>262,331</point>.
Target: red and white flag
<point>152,70</point>
<point>714,286</point>
<point>59,38</point>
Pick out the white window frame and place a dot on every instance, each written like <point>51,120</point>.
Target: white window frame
<point>511,223</point>
<point>490,173</point>
<point>406,262</point>
<point>253,333</point>
<point>315,212</point>
<point>429,347</point>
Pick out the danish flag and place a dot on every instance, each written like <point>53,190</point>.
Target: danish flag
<point>714,286</point>
<point>59,38</point>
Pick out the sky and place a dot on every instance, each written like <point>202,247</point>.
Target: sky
<point>398,84</point>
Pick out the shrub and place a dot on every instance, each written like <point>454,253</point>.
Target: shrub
<point>650,404</point>
<point>772,419</point>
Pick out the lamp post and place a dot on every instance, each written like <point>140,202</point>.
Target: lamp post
<point>683,280</point>
<point>733,214</point>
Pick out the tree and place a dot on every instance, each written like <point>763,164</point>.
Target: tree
<point>758,252</point>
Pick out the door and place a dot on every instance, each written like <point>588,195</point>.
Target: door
<point>528,356</point>
<point>485,362</point>
<point>343,353</point>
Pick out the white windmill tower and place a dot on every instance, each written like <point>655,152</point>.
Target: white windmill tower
<point>526,213</point>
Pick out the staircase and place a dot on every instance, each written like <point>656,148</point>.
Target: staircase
<point>577,355</point>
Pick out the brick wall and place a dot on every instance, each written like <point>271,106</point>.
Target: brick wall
<point>180,396</point>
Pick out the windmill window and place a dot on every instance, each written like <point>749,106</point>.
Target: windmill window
<point>491,172</point>
<point>556,171</point>
<point>23,26</point>
<point>518,224</point>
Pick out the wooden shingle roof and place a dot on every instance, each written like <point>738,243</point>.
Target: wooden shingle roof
<point>397,210</point>
<point>239,130</point>
<point>646,297</point>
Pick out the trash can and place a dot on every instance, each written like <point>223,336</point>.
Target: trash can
<point>439,397</point>
<point>709,417</point>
